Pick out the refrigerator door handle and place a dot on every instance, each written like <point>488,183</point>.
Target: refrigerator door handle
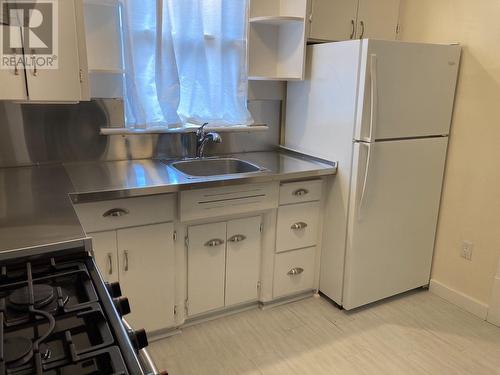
<point>374,97</point>
<point>365,178</point>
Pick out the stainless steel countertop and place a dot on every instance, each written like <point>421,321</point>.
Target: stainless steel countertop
<point>35,204</point>
<point>120,179</point>
<point>35,208</point>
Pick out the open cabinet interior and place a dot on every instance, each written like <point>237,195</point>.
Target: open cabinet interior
<point>277,38</point>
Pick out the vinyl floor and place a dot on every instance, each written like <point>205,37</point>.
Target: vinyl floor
<point>416,333</point>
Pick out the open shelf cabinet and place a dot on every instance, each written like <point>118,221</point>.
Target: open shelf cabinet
<point>277,39</point>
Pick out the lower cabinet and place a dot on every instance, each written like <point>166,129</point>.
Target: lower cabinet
<point>106,254</point>
<point>142,259</point>
<point>223,264</point>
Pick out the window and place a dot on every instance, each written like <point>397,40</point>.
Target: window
<point>185,61</point>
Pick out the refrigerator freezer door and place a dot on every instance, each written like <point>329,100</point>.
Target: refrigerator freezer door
<point>391,230</point>
<point>406,90</point>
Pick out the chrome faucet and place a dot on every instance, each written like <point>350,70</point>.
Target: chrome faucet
<point>202,138</point>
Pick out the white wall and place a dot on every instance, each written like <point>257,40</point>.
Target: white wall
<point>471,200</point>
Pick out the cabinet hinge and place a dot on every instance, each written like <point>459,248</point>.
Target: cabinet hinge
<point>175,235</point>
<point>81,75</point>
<point>186,241</point>
<point>261,228</point>
<point>175,309</point>
<point>258,285</point>
<point>397,28</point>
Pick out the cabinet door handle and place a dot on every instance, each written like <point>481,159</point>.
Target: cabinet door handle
<point>110,263</point>
<point>116,212</point>
<point>300,192</point>
<point>299,225</point>
<point>125,260</point>
<point>35,70</point>
<point>215,242</point>
<point>237,238</point>
<point>295,271</point>
<point>362,29</point>
<point>16,69</point>
<point>353,29</point>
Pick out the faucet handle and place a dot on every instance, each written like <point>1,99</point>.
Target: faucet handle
<point>201,129</point>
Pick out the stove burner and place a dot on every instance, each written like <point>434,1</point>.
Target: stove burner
<point>20,298</point>
<point>17,349</point>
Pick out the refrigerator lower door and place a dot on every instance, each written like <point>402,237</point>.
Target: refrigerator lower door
<point>392,217</point>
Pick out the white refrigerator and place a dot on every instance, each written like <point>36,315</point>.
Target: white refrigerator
<point>383,110</point>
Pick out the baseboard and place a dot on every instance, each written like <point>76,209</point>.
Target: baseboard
<point>460,299</point>
<point>494,311</point>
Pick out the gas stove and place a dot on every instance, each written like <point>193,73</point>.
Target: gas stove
<point>59,317</point>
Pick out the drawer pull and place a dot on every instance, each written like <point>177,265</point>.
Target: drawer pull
<point>295,271</point>
<point>298,226</point>
<point>214,242</point>
<point>237,238</point>
<point>116,212</point>
<point>300,192</point>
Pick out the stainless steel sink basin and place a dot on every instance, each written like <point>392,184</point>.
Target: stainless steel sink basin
<point>214,167</point>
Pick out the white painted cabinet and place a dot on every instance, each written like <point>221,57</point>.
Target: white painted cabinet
<point>142,259</point>
<point>277,39</point>
<point>243,260</point>
<point>147,274</point>
<point>378,19</point>
<point>333,20</point>
<point>206,267</point>
<point>12,81</point>
<point>106,254</point>
<point>68,82</point>
<point>223,264</point>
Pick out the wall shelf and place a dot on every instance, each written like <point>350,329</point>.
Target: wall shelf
<point>276,20</point>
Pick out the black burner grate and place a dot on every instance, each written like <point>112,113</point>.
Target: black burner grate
<point>52,321</point>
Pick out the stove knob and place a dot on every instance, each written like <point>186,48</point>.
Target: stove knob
<point>114,289</point>
<point>139,339</point>
<point>122,305</point>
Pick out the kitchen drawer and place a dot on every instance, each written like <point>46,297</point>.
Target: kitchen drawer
<point>294,272</point>
<point>300,192</point>
<point>227,200</point>
<point>129,212</point>
<point>297,226</point>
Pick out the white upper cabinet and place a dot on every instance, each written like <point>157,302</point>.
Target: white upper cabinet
<point>378,19</point>
<point>12,81</point>
<point>277,39</point>
<point>67,82</point>
<point>334,20</point>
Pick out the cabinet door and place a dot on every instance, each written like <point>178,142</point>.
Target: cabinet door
<point>333,20</point>
<point>243,260</point>
<point>12,81</point>
<point>147,266</point>
<point>378,19</point>
<point>206,267</point>
<point>105,254</point>
<point>63,83</point>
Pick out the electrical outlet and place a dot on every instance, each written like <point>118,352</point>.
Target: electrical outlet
<point>466,251</point>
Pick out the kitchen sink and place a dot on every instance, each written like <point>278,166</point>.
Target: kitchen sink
<point>214,167</point>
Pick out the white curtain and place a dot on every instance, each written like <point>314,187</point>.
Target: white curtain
<point>185,61</point>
